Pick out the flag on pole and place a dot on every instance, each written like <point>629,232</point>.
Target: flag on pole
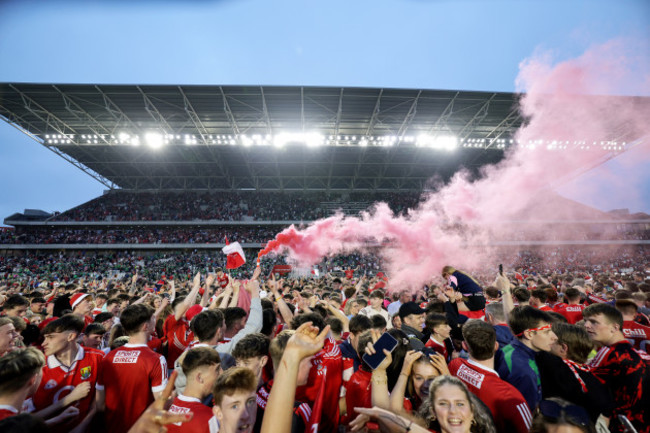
<point>234,255</point>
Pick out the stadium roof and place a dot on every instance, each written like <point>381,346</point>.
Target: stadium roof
<point>263,137</point>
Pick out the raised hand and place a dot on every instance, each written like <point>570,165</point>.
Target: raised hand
<point>439,362</point>
<point>197,279</point>
<point>409,359</point>
<point>307,341</point>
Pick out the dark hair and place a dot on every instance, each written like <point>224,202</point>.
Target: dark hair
<point>539,294</point>
<point>521,294</point>
<point>232,380</point>
<point>94,328</point>
<point>378,321</point>
<point>562,413</point>
<point>359,323</point>
<point>315,319</point>
<point>112,301</point>
<point>377,294</point>
<point>433,319</point>
<point>232,315</point>
<point>102,317</point>
<point>251,346</point>
<point>480,338</point>
<point>38,300</point>
<point>492,292</point>
<point>205,324</point>
<point>14,301</point>
<point>611,314</point>
<point>572,294</point>
<point>134,316</point>
<point>335,325</point>
<point>349,292</point>
<point>269,321</point>
<point>526,317</point>
<point>69,322</point>
<point>267,304</point>
<point>198,357</point>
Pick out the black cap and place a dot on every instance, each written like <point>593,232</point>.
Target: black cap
<point>409,308</point>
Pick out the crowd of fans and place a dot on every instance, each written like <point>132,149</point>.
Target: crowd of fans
<point>225,206</point>
<point>257,234</point>
<point>139,235</point>
<point>99,343</point>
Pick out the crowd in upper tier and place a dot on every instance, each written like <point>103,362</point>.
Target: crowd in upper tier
<point>225,206</point>
<point>120,342</point>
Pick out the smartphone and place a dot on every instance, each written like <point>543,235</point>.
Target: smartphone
<point>386,341</point>
<point>501,270</point>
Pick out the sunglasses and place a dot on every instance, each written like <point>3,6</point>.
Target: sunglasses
<point>570,412</point>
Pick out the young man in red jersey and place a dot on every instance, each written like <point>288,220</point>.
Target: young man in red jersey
<point>618,366</point>
<point>132,375</point>
<point>634,332</point>
<point>82,306</point>
<point>68,366</point>
<point>176,326</point>
<point>509,408</point>
<point>234,400</point>
<point>572,311</point>
<point>201,366</point>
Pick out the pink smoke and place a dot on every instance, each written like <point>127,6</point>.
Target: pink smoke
<point>574,102</point>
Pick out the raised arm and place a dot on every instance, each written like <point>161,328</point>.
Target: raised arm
<point>190,299</point>
<point>279,409</point>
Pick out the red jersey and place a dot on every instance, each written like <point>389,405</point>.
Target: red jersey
<point>441,348</point>
<point>178,335</point>
<point>572,313</point>
<point>358,394</point>
<point>6,411</point>
<point>133,373</point>
<point>203,420</point>
<point>222,281</point>
<point>328,359</point>
<point>545,307</point>
<point>635,333</point>
<point>349,274</point>
<point>59,380</point>
<point>509,408</point>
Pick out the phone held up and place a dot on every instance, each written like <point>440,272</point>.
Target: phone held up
<point>386,341</point>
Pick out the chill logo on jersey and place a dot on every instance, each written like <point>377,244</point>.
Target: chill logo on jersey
<point>85,373</point>
<point>50,384</point>
<point>126,357</point>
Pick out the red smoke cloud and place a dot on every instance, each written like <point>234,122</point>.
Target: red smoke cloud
<point>571,106</point>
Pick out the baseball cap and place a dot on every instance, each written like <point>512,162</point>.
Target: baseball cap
<point>408,308</point>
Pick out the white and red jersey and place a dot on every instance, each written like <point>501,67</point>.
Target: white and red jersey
<point>59,380</point>
<point>6,411</point>
<point>222,281</point>
<point>130,375</point>
<point>572,312</point>
<point>636,333</point>
<point>509,408</point>
<point>203,420</point>
<point>439,347</point>
<point>96,311</point>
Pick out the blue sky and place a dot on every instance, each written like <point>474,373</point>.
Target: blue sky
<point>437,44</point>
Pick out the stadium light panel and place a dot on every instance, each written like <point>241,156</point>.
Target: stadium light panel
<point>154,140</point>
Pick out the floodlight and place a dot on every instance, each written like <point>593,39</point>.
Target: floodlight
<point>154,140</point>
<point>124,137</point>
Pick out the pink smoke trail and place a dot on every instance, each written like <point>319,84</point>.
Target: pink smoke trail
<point>573,102</point>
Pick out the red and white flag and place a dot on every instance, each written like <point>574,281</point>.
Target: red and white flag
<point>235,255</point>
